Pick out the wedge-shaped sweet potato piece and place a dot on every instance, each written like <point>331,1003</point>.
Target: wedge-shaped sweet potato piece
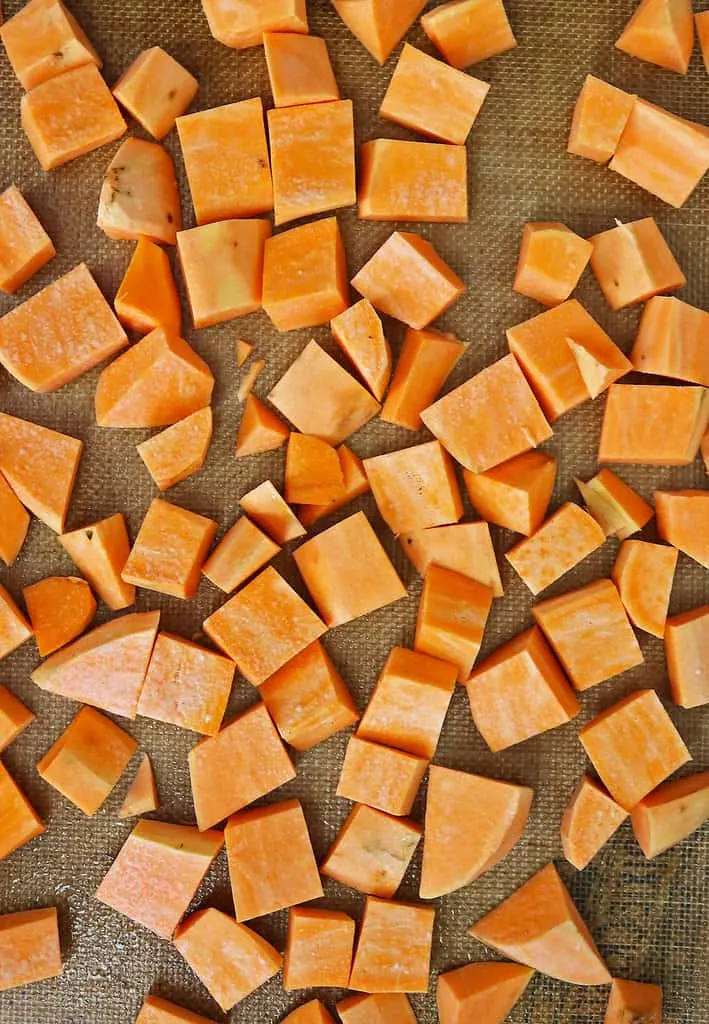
<point>515,494</point>
<point>415,488</point>
<point>139,196</point>
<point>249,378</point>
<point>687,652</point>
<point>147,296</point>
<point>313,471</point>
<point>157,873</point>
<point>14,627</point>
<point>701,23</point>
<point>394,947</point>
<point>179,451</point>
<point>355,483</point>
<point>14,523</point>
<point>464,548</point>
<point>413,181</point>
<point>552,259</point>
<point>269,510</point>
<point>372,851</point>
<point>25,247</point>
<point>100,551</point>
<point>634,747</point>
<point>142,794</point>
<point>481,992</point>
<point>170,550</point>
<point>671,813</point>
<point>299,69</point>
<point>359,333</point>
<point>661,32</point>
<point>60,608</point>
<point>19,821</point>
<point>540,926</point>
<point>380,776</point>
<point>644,574</point>
<point>106,667</point>
<point>561,543</point>
<point>44,40</point>
<point>591,817</point>
<point>425,361</point>
<point>671,341</point>
<point>156,90</point>
<point>29,947</point>
<point>598,371</point>
<point>159,1011</point>
<point>451,620</point>
<point>600,116</point>
<point>242,23</point>
<point>393,1008</point>
<point>683,521</point>
<point>633,262</point>
<point>318,949</point>
<point>241,552</point>
<point>14,717</point>
<point>633,1000</point>
<point>619,510</point>
<point>260,430</point>
<point>472,823</point>
<point>468,31</point>
<point>312,1012</point>
<point>379,24</point>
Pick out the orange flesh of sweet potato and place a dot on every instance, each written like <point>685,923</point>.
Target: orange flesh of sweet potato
<point>25,247</point>
<point>142,794</point>
<point>551,261</point>
<point>671,813</point>
<point>60,608</point>
<point>379,24</point>
<point>634,1001</point>
<point>539,926</point>
<point>313,471</point>
<point>269,511</point>
<point>465,548</point>
<point>44,40</point>
<point>100,551</point>
<point>701,23</point>
<point>318,949</point>
<point>661,32</point>
<point>483,992</point>
<point>299,69</point>
<point>249,378</point>
<point>355,483</point>
<point>618,509</point>
<point>425,361</point>
<point>147,297</point>
<point>312,1012</point>
<point>670,341</point>
<point>452,616</point>
<point>139,196</point>
<point>14,523</point>
<point>243,351</point>
<point>14,627</point>
<point>687,653</point>
<point>358,331</point>
<point>600,116</point>
<point>468,31</point>
<point>18,822</point>
<point>515,494</point>
<point>564,540</point>
<point>644,574</point>
<point>159,1011</point>
<point>683,521</point>
<point>179,451</point>
<point>156,90</point>
<point>241,552</point>
<point>260,430</point>
<point>472,823</point>
<point>633,262</point>
<point>415,488</point>
<point>29,948</point>
<point>170,549</point>
<point>372,851</point>
<point>14,717</point>
<point>246,24</point>
<point>394,1008</point>
<point>591,817</point>
<point>393,948</point>
<point>380,777</point>
<point>413,181</point>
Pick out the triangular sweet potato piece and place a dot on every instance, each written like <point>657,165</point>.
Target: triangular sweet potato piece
<point>14,523</point>
<point>379,24</point>
<point>661,32</point>
<point>260,429</point>
<point>147,297</point>
<point>142,795</point>
<point>483,992</point>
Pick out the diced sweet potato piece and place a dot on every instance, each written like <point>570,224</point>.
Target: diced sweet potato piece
<point>312,1012</point>
<point>87,760</point>
<point>355,483</point>
<point>157,382</point>
<point>379,24</point>
<point>147,297</point>
<point>683,521</point>
<point>662,153</point>
<point>156,90</point>
<point>358,331</point>
<point>142,794</point>
<point>14,717</point>
<point>413,181</point>
<point>465,548</point>
<point>100,551</point>
<point>263,880</point>
<point>653,424</point>
<point>372,851</point>
<point>313,471</point>
<point>159,1011</point>
<point>243,23</point>
<point>425,361</point>
<point>519,692</point>
<point>186,685</point>
<point>633,1000</point>
<point>170,549</point>
<point>394,947</point>
<point>318,949</point>
<point>14,627</point>
<point>393,1008</point>
<point>481,992</point>
<point>591,817</point>
<point>468,31</point>
<point>671,813</point>
<point>489,419</point>
<point>106,668</point>
<point>19,823</point>
<point>69,116</point>
<point>552,259</point>
<point>564,540</point>
<point>59,333</point>
<point>25,247</point>
<point>60,608</point>
<point>633,262</point>
<point>269,511</point>
<point>542,348</point>
<point>618,509</point>
<point>240,764</point>
<point>139,195</point>
<point>44,40</point>
<point>299,69</point>
<point>687,652</point>
<point>249,378</point>
<point>539,926</point>
<point>381,777</point>
<point>263,626</point>
<point>260,429</point>
<point>222,265</point>
<point>243,351</point>
<point>661,32</point>
<point>408,280</point>
<point>226,160</point>
<point>671,341</point>
<point>600,116</point>
<point>347,571</point>
<point>415,488</point>
<point>241,552</point>
<point>157,873</point>
<point>14,523</point>
<point>179,451</point>
<point>29,947</point>
<point>515,494</point>
<point>643,574</point>
<point>472,823</point>
<point>430,97</point>
<point>452,617</point>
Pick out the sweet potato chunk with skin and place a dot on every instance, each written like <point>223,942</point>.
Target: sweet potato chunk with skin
<point>464,548</point>
<point>468,31</point>
<point>347,571</point>
<point>515,494</point>
<point>671,813</point>
<point>393,1008</point>
<point>551,261</point>
<point>263,626</point>
<point>683,521</point>
<point>241,552</point>
<point>472,823</point>
<point>643,574</point>
<point>539,926</point>
<point>240,764</point>
<point>372,851</point>
<point>226,161</point>
<point>106,667</point>
<point>312,1012</point>
<point>142,795</point>
<point>18,821</point>
<point>243,23</point>
<point>408,280</point>
<point>14,717</point>
<point>483,992</point>
<point>660,32</point>
<point>60,608</point>
<point>69,116</point>
<point>633,262</point>
<point>591,817</point>
<point>425,361</point>
<point>156,90</point>
<point>413,181</point>
<point>60,333</point>
<point>29,947</point>
<point>358,331</point>
<point>260,430</point>
<point>147,297</point>
<point>318,949</point>
<point>489,419</point>
<point>355,483</point>
<point>44,40</point>
<point>394,947</point>
<point>299,69</point>
<point>671,341</point>
<point>87,760</point>
<point>170,549</point>
<point>139,195</point>
<point>14,523</point>
<point>430,97</point>
<point>262,880</point>
<point>179,451</point>
<point>618,509</point>
<point>600,116</point>
<point>313,471</point>
<point>25,247</point>
<point>14,627</point>
<point>157,873</point>
<point>452,617</point>
<point>159,1011</point>
<point>379,24</point>
<point>100,551</point>
<point>687,652</point>
<point>653,424</point>
<point>380,777</point>
<point>560,544</point>
<point>520,692</point>
<point>415,488</point>
<point>269,511</point>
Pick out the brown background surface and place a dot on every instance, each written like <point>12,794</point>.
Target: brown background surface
<point>650,919</point>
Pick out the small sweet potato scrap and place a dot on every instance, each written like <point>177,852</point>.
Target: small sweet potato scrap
<point>671,341</point>
<point>468,31</point>
<point>313,471</point>
<point>394,947</point>
<point>600,116</point>
<point>14,523</point>
<point>44,40</point>
<point>139,196</point>
<point>379,24</point>
<point>142,795</point>
<point>683,521</point>
<point>372,851</point>
<point>482,992</point>
<point>179,451</point>
<point>248,380</point>
<point>561,543</point>
<point>147,296</point>
<point>451,620</point>
<point>159,1011</point>
<point>156,90</point>
<point>318,949</point>
<point>515,494</point>
<point>687,652</point>
<point>299,69</point>
<point>660,32</point>
<point>100,552</point>
<point>14,627</point>
<point>464,548</point>
<point>671,813</point>
<point>25,247</point>
<point>381,777</point>
<point>591,817</point>
<point>633,262</point>
<point>619,510</point>
<point>29,947</point>
<point>355,483</point>
<point>415,488</point>
<point>633,1000</point>
<point>394,1008</point>
<point>60,608</point>
<point>243,23</point>
<point>170,549</point>
<point>644,574</point>
<point>425,361</point>
<point>260,430</point>
<point>19,823</point>
<point>701,23</point>
<point>241,552</point>
<point>552,259</point>
<point>14,717</point>
<point>359,333</point>
<point>653,424</point>
<point>413,181</point>
<point>268,510</point>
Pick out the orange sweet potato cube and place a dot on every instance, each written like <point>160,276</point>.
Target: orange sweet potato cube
<point>157,872</point>
<point>355,483</point>
<point>60,608</point>
<point>381,777</point>
<point>68,116</point>
<point>393,1008</point>
<point>464,548</point>
<point>378,24</point>
<point>268,510</point>
<point>14,717</point>
<point>662,34</point>
<point>630,999</point>
<point>600,116</point>
<point>468,31</point>
<point>408,280</point>
<point>243,23</point>
<point>670,341</point>
<point>147,296</point>
<point>178,452</point>
<point>515,494</point>
<point>226,160</point>
<point>14,523</point>
<point>415,488</point>
<point>14,627</point>
<point>633,262</point>
<point>156,90</point>
<point>263,626</point>
<point>241,552</point>
<point>372,851</point>
<point>139,196</point>
<point>25,247</point>
<point>19,821</point>
<point>481,991</point>
<point>552,259</point>
<point>413,181</point>
<point>561,543</point>
<point>29,947</point>
<point>44,40</point>
<point>394,947</point>
<point>88,759</point>
<point>618,509</point>
<point>318,949</point>
<point>299,69</point>
<point>653,424</point>
<point>313,471</point>
<point>142,794</point>
<point>170,549</point>
<point>634,746</point>
<point>425,361</point>
<point>452,617</point>
<point>489,419</point>
<point>100,551</point>
<point>591,817</point>
<point>687,653</point>
<point>305,275</point>
<point>644,574</point>
<point>242,763</point>
<point>359,333</point>
<point>271,860</point>
<point>260,430</point>
<point>671,813</point>
<point>520,691</point>
<point>159,1011</point>
<point>222,265</point>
